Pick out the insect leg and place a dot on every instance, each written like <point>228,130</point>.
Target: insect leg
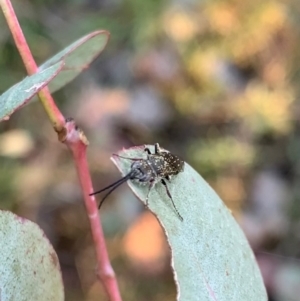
<point>169,195</point>
<point>152,183</point>
<point>168,178</point>
<point>157,148</point>
<point>147,150</point>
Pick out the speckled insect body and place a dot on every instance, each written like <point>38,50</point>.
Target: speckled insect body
<point>158,167</point>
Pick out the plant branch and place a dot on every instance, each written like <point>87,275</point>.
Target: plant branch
<point>77,143</point>
<point>74,138</point>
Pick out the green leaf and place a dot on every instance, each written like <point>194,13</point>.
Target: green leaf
<point>77,57</point>
<point>29,267</point>
<point>211,257</point>
<point>22,92</point>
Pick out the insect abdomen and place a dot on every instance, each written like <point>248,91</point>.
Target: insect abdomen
<point>166,164</point>
<point>174,164</point>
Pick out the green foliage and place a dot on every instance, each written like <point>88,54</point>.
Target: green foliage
<point>23,91</point>
<point>29,265</point>
<point>77,57</point>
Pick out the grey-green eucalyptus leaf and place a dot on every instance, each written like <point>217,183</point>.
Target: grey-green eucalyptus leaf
<point>77,57</point>
<point>29,267</point>
<point>22,92</point>
<point>211,257</point>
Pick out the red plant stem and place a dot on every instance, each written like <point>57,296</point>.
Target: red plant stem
<point>46,99</point>
<point>76,141</point>
<point>78,144</point>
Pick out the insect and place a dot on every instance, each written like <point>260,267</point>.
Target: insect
<point>158,167</point>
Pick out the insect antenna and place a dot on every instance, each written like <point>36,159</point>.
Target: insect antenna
<point>114,186</point>
<point>132,159</point>
<point>107,187</point>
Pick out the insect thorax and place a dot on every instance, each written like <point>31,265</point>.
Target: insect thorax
<point>142,171</point>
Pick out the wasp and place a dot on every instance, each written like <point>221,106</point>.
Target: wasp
<point>157,167</point>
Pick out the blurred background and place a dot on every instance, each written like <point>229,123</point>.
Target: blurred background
<point>216,82</point>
